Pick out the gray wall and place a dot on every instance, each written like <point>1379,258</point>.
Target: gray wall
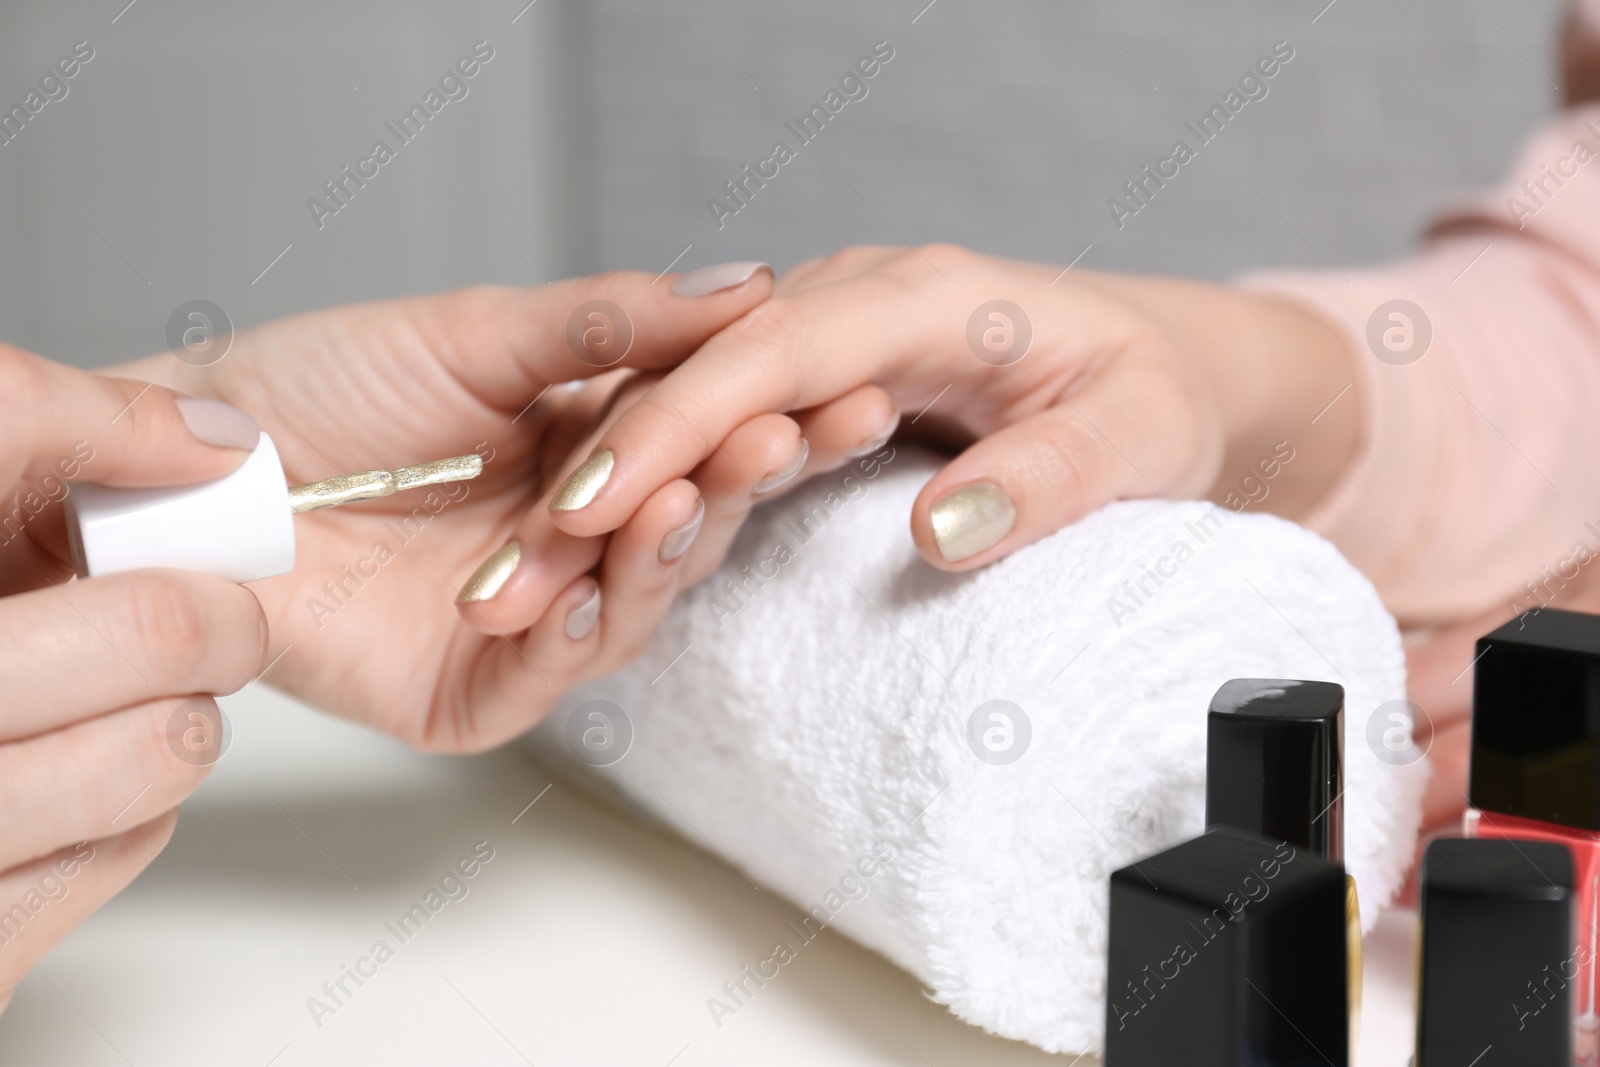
<point>193,139</point>
<point>179,164</point>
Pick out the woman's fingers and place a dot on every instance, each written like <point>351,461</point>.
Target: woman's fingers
<point>641,573</point>
<point>515,587</point>
<point>104,774</point>
<point>1134,431</point>
<point>44,900</point>
<point>76,650</point>
<point>59,424</point>
<point>787,354</point>
<point>506,344</point>
<point>856,424</point>
<point>591,627</point>
<point>767,443</point>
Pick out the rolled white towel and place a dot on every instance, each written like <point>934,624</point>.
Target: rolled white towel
<point>819,713</point>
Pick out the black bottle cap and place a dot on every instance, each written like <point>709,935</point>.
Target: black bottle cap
<point>1275,759</point>
<point>1536,719</point>
<point>1497,956</point>
<point>1227,951</point>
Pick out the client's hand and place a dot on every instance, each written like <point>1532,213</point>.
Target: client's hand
<point>108,720</point>
<point>368,624</point>
<point>1068,389</point>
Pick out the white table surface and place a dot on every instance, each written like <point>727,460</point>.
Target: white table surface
<point>588,939</point>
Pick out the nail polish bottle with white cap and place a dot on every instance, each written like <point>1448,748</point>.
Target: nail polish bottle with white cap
<point>239,526</point>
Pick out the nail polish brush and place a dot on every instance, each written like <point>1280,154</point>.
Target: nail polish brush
<point>239,526</point>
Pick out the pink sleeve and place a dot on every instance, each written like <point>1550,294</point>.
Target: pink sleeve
<point>1477,479</point>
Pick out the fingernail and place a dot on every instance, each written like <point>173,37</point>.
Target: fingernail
<point>219,424</point>
<point>972,519</point>
<point>677,540</point>
<point>717,278</point>
<point>785,476</point>
<point>488,578</point>
<point>878,442</point>
<point>581,619</point>
<point>585,482</point>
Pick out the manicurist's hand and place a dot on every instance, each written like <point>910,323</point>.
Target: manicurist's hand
<point>1065,390</point>
<point>443,616</point>
<point>106,716</point>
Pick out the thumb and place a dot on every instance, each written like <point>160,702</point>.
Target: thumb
<point>58,421</point>
<point>1131,433</point>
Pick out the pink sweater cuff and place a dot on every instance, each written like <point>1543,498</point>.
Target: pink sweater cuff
<point>1475,483</point>
<point>1377,512</point>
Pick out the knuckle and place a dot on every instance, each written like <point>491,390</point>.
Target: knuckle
<point>170,622</point>
<point>771,328</point>
<point>807,266</point>
<point>770,341</point>
<point>154,418</point>
<point>854,257</point>
<point>635,389</point>
<point>197,628</point>
<point>1069,461</point>
<point>22,384</point>
<point>609,285</point>
<point>947,258</point>
<point>472,303</point>
<point>160,741</point>
<point>476,319</point>
<point>651,416</point>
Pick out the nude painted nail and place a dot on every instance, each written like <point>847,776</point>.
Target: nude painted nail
<point>585,482</point>
<point>782,478</point>
<point>878,442</point>
<point>219,424</point>
<point>971,519</point>
<point>581,619</point>
<point>488,579</point>
<point>716,278</point>
<point>677,540</point>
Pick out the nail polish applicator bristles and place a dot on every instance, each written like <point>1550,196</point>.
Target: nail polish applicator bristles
<point>371,485</point>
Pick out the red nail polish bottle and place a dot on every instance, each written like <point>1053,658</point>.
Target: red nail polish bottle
<point>1536,767</point>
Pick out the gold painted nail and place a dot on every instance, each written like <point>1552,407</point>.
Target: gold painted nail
<point>971,519</point>
<point>488,578</point>
<point>585,482</point>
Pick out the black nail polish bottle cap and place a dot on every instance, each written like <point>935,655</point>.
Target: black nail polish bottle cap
<point>1274,760</point>
<point>1227,951</point>
<point>1497,958</point>
<point>1536,719</point>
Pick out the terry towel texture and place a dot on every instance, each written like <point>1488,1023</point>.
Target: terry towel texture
<point>822,708</point>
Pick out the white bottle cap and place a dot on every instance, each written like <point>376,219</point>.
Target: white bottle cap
<point>237,527</point>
